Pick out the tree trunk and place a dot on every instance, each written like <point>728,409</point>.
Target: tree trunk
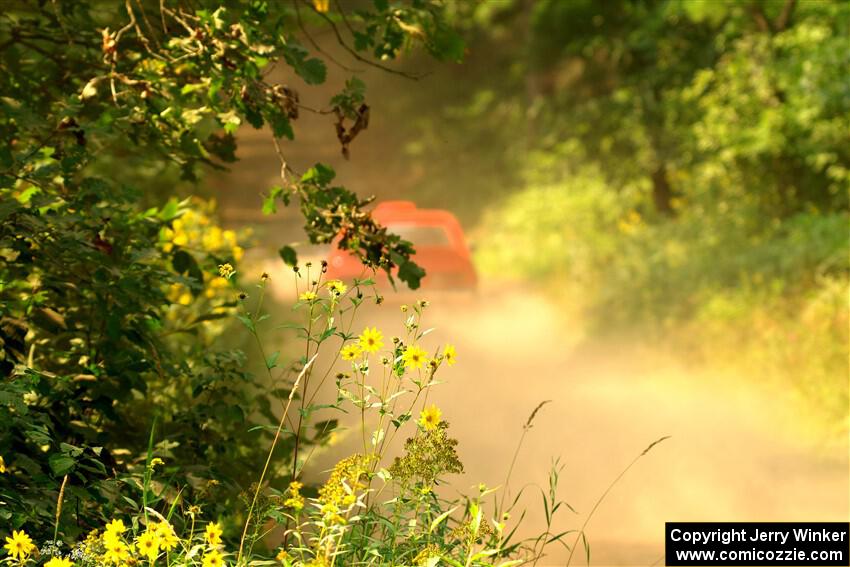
<point>662,193</point>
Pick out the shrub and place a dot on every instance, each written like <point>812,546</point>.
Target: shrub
<point>106,305</point>
<point>718,283</point>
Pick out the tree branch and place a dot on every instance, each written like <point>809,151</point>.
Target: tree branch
<point>784,18</point>
<point>316,45</point>
<point>354,53</point>
<point>760,18</point>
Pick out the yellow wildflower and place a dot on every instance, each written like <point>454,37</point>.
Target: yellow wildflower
<point>350,352</point>
<point>116,552</point>
<point>211,238</point>
<point>429,419</point>
<point>282,555</point>
<point>414,357</point>
<point>148,544</point>
<point>346,478</point>
<point>213,559</point>
<point>110,537</point>
<point>331,515</point>
<point>167,538</point>
<point>307,296</point>
<point>20,545</point>
<point>59,562</point>
<point>371,340</point>
<point>213,533</point>
<point>226,271</point>
<point>449,354</point>
<point>321,5</point>
<point>115,527</point>
<point>296,502</point>
<point>2,465</point>
<point>92,542</point>
<point>336,287</point>
<point>215,285</point>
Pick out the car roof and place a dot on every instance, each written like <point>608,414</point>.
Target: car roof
<point>407,211</point>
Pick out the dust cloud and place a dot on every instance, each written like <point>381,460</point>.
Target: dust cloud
<point>737,452</point>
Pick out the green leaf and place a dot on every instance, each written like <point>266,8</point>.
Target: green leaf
<point>445,44</point>
<point>410,273</point>
<point>281,127</point>
<point>7,208</point>
<point>312,70</point>
<point>71,450</point>
<point>288,255</point>
<point>320,174</point>
<point>170,210</point>
<point>439,519</point>
<point>61,463</point>
<point>271,361</point>
<point>324,429</point>
<point>247,322</point>
<point>231,121</point>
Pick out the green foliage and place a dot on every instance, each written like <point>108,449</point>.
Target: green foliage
<point>683,170</point>
<point>724,287</point>
<point>108,305</point>
<point>675,89</point>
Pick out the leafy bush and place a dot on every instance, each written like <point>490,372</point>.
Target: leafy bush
<point>768,299</point>
<point>688,175</point>
<point>107,306</point>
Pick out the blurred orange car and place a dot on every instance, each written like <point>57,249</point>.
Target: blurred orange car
<point>437,236</point>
